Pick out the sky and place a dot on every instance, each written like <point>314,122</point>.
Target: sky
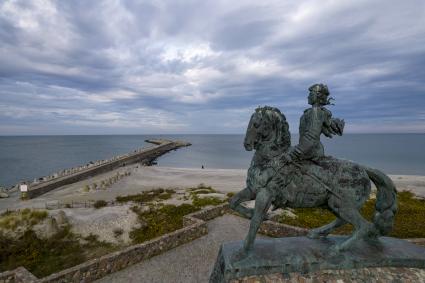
<point>199,67</point>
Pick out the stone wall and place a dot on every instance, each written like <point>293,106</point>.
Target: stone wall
<point>18,275</point>
<point>145,156</point>
<point>194,227</point>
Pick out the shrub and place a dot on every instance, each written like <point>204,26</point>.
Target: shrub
<point>201,202</point>
<point>26,217</point>
<point>99,204</point>
<point>147,196</point>
<point>230,194</point>
<point>159,221</point>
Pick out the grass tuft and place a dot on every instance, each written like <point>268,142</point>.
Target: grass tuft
<point>26,217</point>
<point>201,202</point>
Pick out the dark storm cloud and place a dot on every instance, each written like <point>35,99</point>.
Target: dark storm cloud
<point>108,66</point>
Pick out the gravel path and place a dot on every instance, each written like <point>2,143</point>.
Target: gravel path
<point>192,262</point>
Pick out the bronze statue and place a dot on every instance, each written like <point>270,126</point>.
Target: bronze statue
<point>302,176</point>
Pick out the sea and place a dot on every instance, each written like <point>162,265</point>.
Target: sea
<point>28,157</point>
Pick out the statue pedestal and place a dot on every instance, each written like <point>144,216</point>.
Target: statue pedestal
<point>304,255</point>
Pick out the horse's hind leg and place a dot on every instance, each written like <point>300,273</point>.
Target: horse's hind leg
<point>326,229</point>
<point>363,229</point>
<point>262,205</point>
<point>235,202</point>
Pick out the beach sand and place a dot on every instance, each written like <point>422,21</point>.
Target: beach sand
<point>144,178</point>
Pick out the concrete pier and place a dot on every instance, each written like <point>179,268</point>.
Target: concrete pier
<point>144,155</point>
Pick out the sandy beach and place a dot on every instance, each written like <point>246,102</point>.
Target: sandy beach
<point>144,178</point>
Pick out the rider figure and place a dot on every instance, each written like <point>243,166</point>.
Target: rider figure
<point>315,121</point>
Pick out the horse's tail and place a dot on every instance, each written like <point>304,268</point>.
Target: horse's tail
<point>386,201</point>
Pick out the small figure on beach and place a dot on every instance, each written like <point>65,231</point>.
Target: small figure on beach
<point>281,176</point>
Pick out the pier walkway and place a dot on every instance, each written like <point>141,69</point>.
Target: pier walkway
<point>144,155</point>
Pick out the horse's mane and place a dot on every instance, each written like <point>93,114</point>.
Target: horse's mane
<point>279,124</point>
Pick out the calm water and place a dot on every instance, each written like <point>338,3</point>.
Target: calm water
<point>25,158</point>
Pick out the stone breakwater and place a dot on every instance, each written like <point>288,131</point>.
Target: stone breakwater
<point>68,176</point>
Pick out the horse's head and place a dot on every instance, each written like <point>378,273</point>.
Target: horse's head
<point>267,125</point>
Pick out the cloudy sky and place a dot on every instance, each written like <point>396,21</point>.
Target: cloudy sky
<point>148,67</point>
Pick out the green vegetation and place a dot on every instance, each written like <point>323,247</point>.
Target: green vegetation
<point>159,221</point>
<point>46,256</point>
<point>230,194</point>
<point>200,189</point>
<point>12,219</point>
<point>409,220</point>
<point>144,197</point>
<point>204,201</point>
<point>39,255</point>
<point>99,204</point>
<point>201,202</point>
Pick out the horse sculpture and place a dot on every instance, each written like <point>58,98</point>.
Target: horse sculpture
<point>339,185</point>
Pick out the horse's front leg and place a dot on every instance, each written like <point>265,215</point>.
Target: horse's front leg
<point>262,205</point>
<point>236,202</point>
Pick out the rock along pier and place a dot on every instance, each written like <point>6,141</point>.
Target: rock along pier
<point>144,155</point>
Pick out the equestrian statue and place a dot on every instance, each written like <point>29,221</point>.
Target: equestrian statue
<point>282,176</point>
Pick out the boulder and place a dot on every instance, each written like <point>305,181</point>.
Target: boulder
<point>3,195</point>
<point>61,218</point>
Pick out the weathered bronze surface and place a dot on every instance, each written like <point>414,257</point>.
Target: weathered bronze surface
<point>305,255</point>
<point>282,176</point>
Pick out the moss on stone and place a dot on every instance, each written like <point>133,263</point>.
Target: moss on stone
<point>409,220</point>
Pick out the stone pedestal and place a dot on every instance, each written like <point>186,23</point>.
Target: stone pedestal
<point>304,255</point>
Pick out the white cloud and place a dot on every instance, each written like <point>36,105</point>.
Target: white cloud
<point>152,65</point>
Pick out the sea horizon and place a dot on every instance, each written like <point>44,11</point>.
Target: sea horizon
<point>33,156</point>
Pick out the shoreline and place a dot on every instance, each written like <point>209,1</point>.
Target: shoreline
<point>145,178</point>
